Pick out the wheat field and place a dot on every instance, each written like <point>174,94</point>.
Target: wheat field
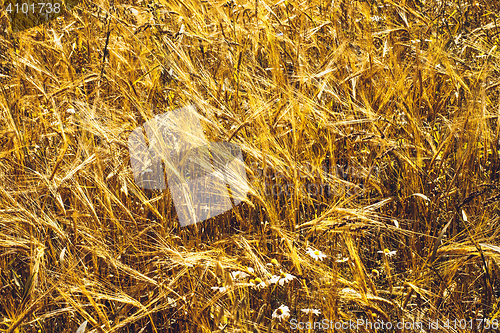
<point>370,135</point>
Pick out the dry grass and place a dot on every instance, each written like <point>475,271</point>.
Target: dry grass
<point>390,108</point>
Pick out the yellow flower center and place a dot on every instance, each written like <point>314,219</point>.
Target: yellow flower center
<point>316,252</point>
<point>279,312</point>
<point>258,280</point>
<point>275,262</point>
<point>283,275</point>
<point>386,251</point>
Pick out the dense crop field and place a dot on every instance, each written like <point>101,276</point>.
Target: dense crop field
<point>370,131</point>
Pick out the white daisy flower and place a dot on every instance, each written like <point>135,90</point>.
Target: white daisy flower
<point>282,278</point>
<point>171,302</point>
<point>220,289</point>
<point>313,311</point>
<point>251,270</point>
<point>238,275</point>
<point>274,279</point>
<point>316,254</point>
<point>258,283</point>
<point>349,292</point>
<point>388,253</point>
<point>283,312</point>
<point>341,259</point>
